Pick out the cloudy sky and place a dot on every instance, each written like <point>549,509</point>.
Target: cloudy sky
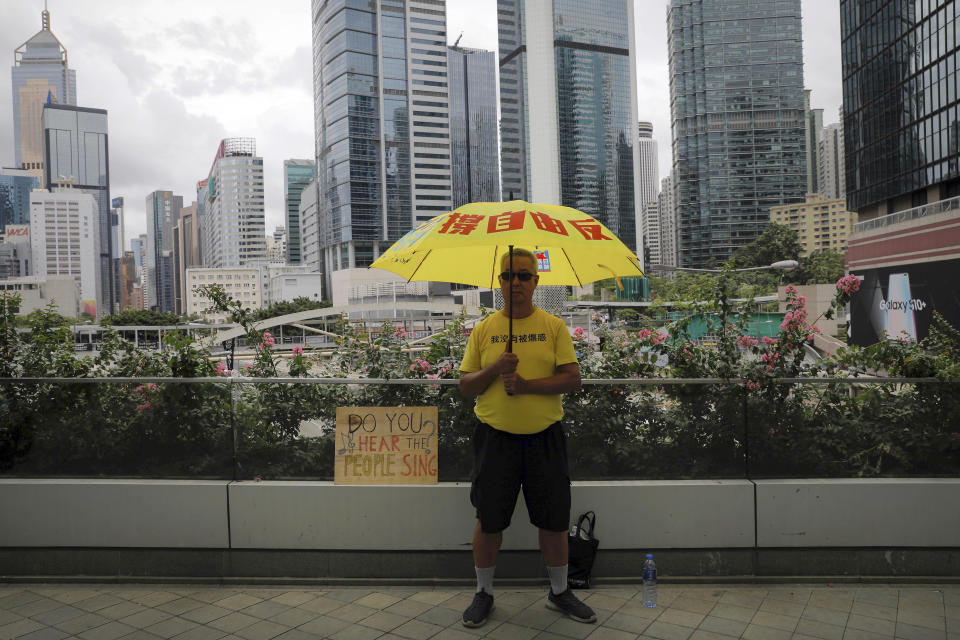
<point>178,76</point>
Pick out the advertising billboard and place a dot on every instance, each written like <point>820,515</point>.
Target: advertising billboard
<point>899,302</point>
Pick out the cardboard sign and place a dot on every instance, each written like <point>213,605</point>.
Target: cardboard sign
<point>386,445</point>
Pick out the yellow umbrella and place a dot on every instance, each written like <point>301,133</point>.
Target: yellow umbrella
<point>466,245</point>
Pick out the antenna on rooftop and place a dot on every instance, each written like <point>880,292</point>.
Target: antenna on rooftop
<point>458,39</point>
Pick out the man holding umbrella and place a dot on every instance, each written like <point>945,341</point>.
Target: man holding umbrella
<point>517,364</point>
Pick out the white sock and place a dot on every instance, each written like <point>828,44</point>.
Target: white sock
<point>485,579</point>
<point>558,579</point>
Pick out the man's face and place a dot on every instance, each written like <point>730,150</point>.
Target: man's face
<point>522,290</point>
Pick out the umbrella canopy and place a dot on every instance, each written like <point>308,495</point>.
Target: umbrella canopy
<point>466,246</point>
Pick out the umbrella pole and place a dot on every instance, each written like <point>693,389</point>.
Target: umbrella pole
<point>510,305</point>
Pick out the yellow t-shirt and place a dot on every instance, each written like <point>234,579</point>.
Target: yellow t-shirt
<point>542,343</point>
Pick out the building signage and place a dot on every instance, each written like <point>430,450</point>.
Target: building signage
<point>386,445</point>
<point>18,233</point>
<point>898,302</point>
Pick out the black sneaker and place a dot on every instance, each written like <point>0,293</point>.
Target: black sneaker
<point>479,610</point>
<point>570,604</point>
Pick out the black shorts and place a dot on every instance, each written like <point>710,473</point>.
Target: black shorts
<point>504,462</point>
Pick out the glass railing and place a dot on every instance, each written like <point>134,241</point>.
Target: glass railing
<point>623,429</point>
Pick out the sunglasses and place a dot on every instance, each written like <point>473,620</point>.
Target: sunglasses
<point>522,276</point>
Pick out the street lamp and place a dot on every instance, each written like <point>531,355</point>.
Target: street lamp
<point>781,265</point>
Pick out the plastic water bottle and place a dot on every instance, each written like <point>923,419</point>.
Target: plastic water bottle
<point>649,582</point>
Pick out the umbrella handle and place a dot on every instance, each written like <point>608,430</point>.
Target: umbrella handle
<point>510,305</point>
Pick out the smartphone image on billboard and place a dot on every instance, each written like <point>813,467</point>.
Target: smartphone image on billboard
<point>899,322</point>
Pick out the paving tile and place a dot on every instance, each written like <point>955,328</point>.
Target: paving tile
<point>110,631</point>
<point>871,610</point>
<point>571,628</point>
<point>666,631</point>
<point>775,620</point>
<point>911,632</point>
<point>440,616</point>
<point>682,618</point>
<point>321,605</point>
<point>384,621</point>
<point>97,602</point>
<point>145,618</point>
<point>759,632</point>
<point>625,622</point>
<point>47,633</point>
<point>451,634</point>
<point>547,635</point>
<point>412,608</point>
<point>510,631</point>
<point>817,629</point>
<point>180,605</point>
<point>703,634</point>
<point>858,634</point>
<point>18,599</point>
<point>293,598</point>
<point>830,616</point>
<point>265,609</point>
<point>881,597</point>
<point>432,597</point>
<point>606,602</point>
<point>723,626</point>
<point>19,628</point>
<point>519,598</point>
<point>140,634</point>
<point>378,600</point>
<point>743,600</point>
<point>237,601</point>
<point>154,598</point>
<point>206,613</point>
<point>200,633</point>
<point>232,622</point>
<point>70,596</point>
<point>797,596</point>
<point>922,620</point>
<point>6,617</point>
<point>40,605</point>
<point>121,610</point>
<point>262,630</point>
<point>835,601</point>
<point>733,612</point>
<point>356,632</point>
<point>876,625</point>
<point>636,608</point>
<point>55,616</point>
<point>324,626</point>
<point>605,633</point>
<point>170,627</point>
<point>783,607</point>
<point>293,617</point>
<point>348,595</point>
<point>80,624</point>
<point>693,605</point>
<point>928,595</point>
<point>353,612</point>
<point>534,617</point>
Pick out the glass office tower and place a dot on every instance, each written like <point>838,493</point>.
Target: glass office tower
<point>297,174</point>
<point>475,165</point>
<point>737,111</point>
<point>76,153</point>
<point>15,188</point>
<point>901,120</point>
<point>40,74</point>
<point>163,215</point>
<point>381,109</point>
<point>568,107</point>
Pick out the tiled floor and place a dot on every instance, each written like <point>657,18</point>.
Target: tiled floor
<point>702,612</point>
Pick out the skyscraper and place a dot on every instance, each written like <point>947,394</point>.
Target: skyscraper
<point>233,219</point>
<point>669,231</point>
<point>833,183</point>
<point>814,134</point>
<point>163,214</point>
<point>568,107</point>
<point>117,227</point>
<point>186,254</point>
<point>901,124</point>
<point>296,175</point>
<point>76,153</point>
<point>65,242</point>
<point>737,110</point>
<point>649,170</point>
<point>475,161</point>
<point>15,188</point>
<point>40,74</point>
<point>381,109</point>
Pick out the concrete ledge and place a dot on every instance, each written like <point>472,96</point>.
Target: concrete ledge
<point>630,514</point>
<point>872,512</point>
<point>113,513</point>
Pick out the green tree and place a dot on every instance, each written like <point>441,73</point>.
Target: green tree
<point>285,307</point>
<point>822,267</point>
<point>776,243</point>
<point>140,318</point>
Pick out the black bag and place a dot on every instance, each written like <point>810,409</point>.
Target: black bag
<point>583,551</point>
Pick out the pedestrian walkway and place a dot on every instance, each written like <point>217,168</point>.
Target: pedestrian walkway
<point>701,612</point>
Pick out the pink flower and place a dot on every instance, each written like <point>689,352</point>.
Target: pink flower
<point>578,332</point>
<point>849,284</point>
<point>220,369</point>
<point>747,341</point>
<point>420,365</point>
<point>143,407</point>
<point>768,340</point>
<point>248,366</point>
<point>643,334</point>
<point>753,385</point>
<point>297,350</point>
